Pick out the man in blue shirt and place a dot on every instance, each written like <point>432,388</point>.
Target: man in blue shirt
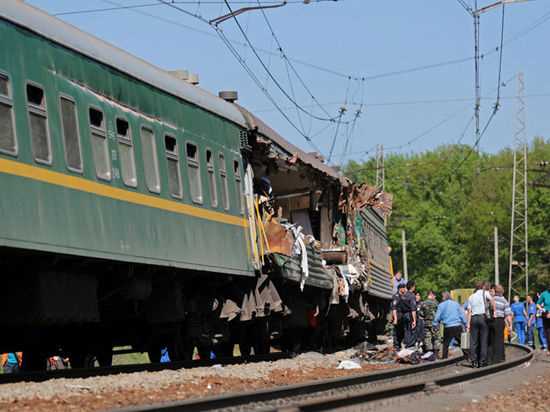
<point>531,321</point>
<point>451,315</point>
<point>520,318</point>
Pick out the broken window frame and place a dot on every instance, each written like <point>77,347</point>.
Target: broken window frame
<point>42,112</point>
<point>100,132</point>
<point>194,169</point>
<point>70,99</point>
<point>238,185</point>
<point>226,201</point>
<point>126,142</point>
<point>7,101</point>
<point>156,183</point>
<point>173,156</point>
<point>211,170</point>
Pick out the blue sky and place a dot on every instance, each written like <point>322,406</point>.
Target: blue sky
<point>361,38</point>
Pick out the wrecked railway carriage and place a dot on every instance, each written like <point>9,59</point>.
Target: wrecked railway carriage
<point>141,210</point>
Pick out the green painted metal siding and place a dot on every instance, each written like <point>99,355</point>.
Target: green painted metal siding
<point>41,215</point>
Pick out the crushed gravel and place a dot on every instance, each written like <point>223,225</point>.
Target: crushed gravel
<point>146,381</point>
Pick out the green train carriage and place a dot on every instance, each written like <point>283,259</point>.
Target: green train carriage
<point>107,158</point>
<point>125,191</point>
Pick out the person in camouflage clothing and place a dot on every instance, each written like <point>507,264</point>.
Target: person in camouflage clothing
<point>427,310</point>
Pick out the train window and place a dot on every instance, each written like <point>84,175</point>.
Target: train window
<point>150,162</point>
<point>100,145</point>
<point>8,144</point>
<point>172,159</point>
<point>126,152</point>
<point>71,138</point>
<point>4,85</point>
<point>238,185</point>
<point>223,178</point>
<point>38,122</point>
<point>211,179</point>
<point>193,168</point>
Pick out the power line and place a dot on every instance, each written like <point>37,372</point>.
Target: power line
<point>189,2</point>
<point>136,8</point>
<point>263,89</point>
<point>338,123</point>
<point>271,76</point>
<point>285,58</point>
<point>408,102</point>
<point>496,106</point>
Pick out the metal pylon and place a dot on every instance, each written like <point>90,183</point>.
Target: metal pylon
<point>518,270</point>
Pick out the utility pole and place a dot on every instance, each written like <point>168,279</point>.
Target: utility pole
<point>497,272</point>
<point>476,13</point>
<point>518,269</point>
<point>380,171</point>
<point>404,248</point>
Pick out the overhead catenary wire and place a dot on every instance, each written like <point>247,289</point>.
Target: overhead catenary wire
<point>136,8</point>
<point>289,62</point>
<point>264,90</point>
<point>270,74</point>
<point>197,3</point>
<point>247,69</point>
<point>496,105</point>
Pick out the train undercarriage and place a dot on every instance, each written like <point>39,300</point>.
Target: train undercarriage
<point>83,308</point>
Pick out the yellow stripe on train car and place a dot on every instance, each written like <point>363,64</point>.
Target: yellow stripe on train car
<point>83,185</point>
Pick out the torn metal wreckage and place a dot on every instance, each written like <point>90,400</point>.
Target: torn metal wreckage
<point>320,238</point>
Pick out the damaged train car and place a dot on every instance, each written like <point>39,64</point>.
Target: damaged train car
<point>322,241</point>
<point>141,210</point>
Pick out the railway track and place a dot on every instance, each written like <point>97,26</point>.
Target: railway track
<point>134,368</point>
<point>347,392</point>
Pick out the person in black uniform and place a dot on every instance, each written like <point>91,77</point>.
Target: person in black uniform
<point>398,331</point>
<point>408,311</point>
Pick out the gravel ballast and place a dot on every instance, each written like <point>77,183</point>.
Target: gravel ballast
<point>108,392</point>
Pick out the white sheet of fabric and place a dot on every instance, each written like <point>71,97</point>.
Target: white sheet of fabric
<point>300,249</point>
<point>348,364</point>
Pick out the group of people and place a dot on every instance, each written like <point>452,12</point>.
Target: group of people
<point>487,317</point>
<point>416,323</point>
<point>490,314</point>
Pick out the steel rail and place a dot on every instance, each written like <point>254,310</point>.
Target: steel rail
<point>41,376</point>
<point>393,391</point>
<point>269,394</point>
<point>322,403</point>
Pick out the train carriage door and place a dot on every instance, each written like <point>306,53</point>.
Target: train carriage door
<point>250,212</point>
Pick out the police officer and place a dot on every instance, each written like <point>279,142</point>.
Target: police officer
<point>398,331</point>
<point>407,307</point>
<point>427,311</point>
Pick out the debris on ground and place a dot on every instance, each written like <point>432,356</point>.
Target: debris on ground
<point>348,364</point>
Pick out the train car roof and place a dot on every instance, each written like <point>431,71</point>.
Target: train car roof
<point>308,158</point>
<point>60,32</point>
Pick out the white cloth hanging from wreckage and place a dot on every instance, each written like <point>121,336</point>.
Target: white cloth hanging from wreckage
<point>301,250</point>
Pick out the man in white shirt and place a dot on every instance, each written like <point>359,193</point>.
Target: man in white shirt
<point>481,305</point>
